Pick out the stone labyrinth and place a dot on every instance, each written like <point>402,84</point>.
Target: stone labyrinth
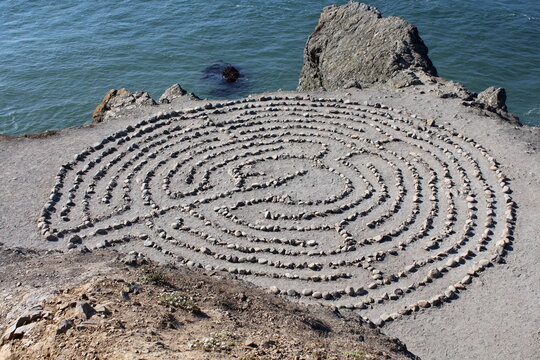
<point>354,205</point>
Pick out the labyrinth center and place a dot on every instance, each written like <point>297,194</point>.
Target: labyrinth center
<point>354,205</point>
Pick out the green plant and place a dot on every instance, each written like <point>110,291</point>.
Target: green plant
<point>154,277</point>
<point>180,301</point>
<point>213,344</point>
<point>355,354</point>
<point>222,335</point>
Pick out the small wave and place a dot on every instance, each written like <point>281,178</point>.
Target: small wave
<point>513,11</point>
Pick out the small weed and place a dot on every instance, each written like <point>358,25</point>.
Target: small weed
<point>180,301</point>
<point>213,344</point>
<point>222,335</point>
<point>355,354</point>
<point>154,277</point>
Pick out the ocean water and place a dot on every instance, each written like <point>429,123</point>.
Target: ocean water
<point>58,59</point>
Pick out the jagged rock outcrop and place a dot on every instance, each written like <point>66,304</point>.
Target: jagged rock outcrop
<point>115,100</point>
<point>174,92</point>
<point>354,44</point>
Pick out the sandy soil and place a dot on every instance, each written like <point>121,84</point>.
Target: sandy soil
<point>494,317</point>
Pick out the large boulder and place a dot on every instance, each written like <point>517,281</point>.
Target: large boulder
<point>354,44</point>
<point>494,97</point>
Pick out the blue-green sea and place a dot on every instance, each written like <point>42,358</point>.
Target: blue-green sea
<point>59,58</point>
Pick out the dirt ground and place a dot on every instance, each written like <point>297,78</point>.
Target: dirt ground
<point>149,311</point>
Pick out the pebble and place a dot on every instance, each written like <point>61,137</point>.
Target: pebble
<point>449,294</point>
<point>436,300</point>
<point>148,243</point>
<point>124,295</point>
<point>51,237</point>
<point>250,343</point>
<point>434,273</point>
<point>84,310</point>
<point>483,263</point>
<point>102,244</point>
<point>274,290</point>
<point>75,239</point>
<point>64,325</point>
<point>452,262</point>
<point>292,292</point>
<point>102,309</point>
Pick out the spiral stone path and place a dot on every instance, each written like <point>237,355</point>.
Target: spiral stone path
<point>355,205</point>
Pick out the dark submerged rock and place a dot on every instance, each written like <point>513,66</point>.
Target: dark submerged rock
<point>230,73</point>
<point>225,80</point>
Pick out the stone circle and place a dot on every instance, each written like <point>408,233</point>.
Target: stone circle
<point>358,206</point>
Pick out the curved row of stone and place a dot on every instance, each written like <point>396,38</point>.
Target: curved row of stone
<point>359,206</point>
